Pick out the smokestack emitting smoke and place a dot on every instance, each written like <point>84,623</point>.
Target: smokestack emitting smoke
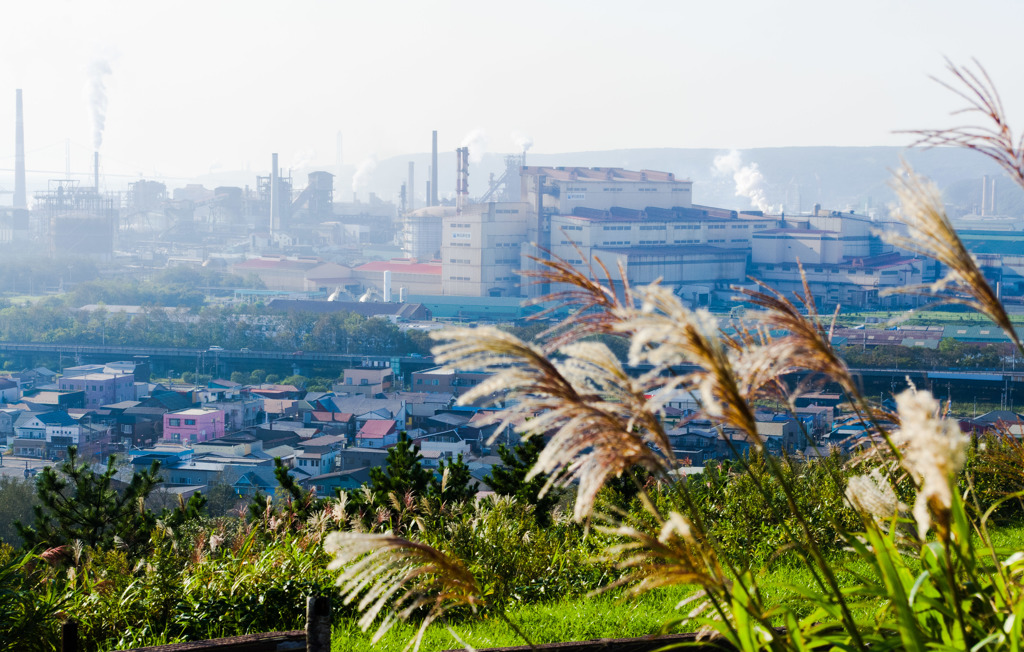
<point>96,170</point>
<point>522,141</point>
<point>19,155</point>
<point>476,141</point>
<point>433,172</point>
<point>361,179</point>
<point>98,70</point>
<point>748,178</point>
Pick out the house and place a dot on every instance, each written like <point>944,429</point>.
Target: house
<point>355,458</point>
<point>7,418</point>
<point>144,426</point>
<point>377,433</point>
<point>45,399</point>
<point>29,435</point>
<point>334,423</point>
<point>193,425</point>
<point>330,484</point>
<point>100,388</point>
<point>367,381</point>
<point>372,408</point>
<point>10,392</point>
<point>60,430</point>
<point>241,410</point>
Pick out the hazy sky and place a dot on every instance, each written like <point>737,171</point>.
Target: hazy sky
<point>194,86</point>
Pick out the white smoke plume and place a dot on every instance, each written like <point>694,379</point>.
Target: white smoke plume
<point>361,179</point>
<point>523,141</point>
<point>97,91</point>
<point>476,141</point>
<point>301,159</point>
<point>748,179</point>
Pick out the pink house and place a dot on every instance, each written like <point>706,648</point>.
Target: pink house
<point>193,425</point>
<point>377,433</point>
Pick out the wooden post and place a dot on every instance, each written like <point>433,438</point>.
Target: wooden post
<point>318,624</point>
<point>69,636</point>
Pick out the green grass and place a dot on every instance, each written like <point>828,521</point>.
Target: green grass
<point>609,615</point>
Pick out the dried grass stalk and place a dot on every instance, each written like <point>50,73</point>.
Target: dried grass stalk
<point>383,569</point>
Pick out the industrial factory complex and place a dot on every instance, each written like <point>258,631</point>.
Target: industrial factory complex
<point>304,241</point>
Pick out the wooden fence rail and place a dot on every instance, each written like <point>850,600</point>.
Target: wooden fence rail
<point>315,638</point>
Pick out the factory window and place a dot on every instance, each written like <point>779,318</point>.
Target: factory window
<point>577,189</point>
<point>716,226</point>
<point>716,240</point>
<point>741,226</point>
<point>652,227</point>
<point>459,261</point>
<point>819,269</point>
<point>511,211</point>
<point>190,422</point>
<point>576,262</point>
<point>625,227</point>
<point>460,244</point>
<point>458,278</point>
<point>760,226</point>
<point>611,189</point>
<point>174,422</point>
<point>647,189</point>
<point>739,239</point>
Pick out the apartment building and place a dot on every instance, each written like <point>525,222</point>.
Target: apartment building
<point>101,388</point>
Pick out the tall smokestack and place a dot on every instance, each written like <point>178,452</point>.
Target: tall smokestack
<point>461,178</point>
<point>984,195</point>
<point>992,199</point>
<point>273,194</point>
<point>19,155</point>
<point>410,202</point>
<point>96,171</point>
<point>433,173</point>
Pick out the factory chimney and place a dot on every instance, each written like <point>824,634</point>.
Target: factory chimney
<point>984,195</point>
<point>19,155</point>
<point>992,198</point>
<point>274,217</point>
<point>96,171</point>
<point>433,173</point>
<point>410,202</point>
<point>461,179</point>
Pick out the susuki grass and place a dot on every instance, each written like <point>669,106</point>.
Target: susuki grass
<point>921,571</point>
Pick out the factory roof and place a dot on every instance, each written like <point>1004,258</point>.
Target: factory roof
<point>599,174</point>
<point>674,250</point>
<point>653,214</point>
<point>279,263</point>
<point>400,265</point>
<point>795,232</point>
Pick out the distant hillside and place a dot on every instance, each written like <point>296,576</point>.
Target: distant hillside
<point>836,177</point>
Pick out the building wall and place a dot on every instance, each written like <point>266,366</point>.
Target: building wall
<point>101,389</point>
<point>193,425</point>
<point>480,250</point>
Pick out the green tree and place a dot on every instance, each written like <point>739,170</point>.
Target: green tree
<point>296,502</point>
<point>509,479</point>
<point>76,503</point>
<point>459,485</point>
<point>17,496</point>
<point>402,472</point>
<point>239,377</point>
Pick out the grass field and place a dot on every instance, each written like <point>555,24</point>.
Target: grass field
<point>604,616</point>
